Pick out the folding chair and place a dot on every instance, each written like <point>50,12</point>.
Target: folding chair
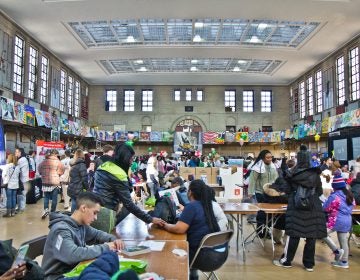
<point>212,253</point>
<point>36,247</point>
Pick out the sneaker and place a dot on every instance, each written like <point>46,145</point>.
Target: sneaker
<point>339,255</point>
<point>282,264</point>
<point>45,214</point>
<point>340,264</point>
<point>309,269</point>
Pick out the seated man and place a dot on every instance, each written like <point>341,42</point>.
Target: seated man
<point>71,238</point>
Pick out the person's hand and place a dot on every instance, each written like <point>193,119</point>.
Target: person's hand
<point>181,207</point>
<point>14,273</point>
<point>116,245</point>
<point>159,222</point>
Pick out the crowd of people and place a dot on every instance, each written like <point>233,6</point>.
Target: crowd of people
<point>117,180</point>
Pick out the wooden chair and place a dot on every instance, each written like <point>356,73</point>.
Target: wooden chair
<point>218,242</point>
<point>36,247</point>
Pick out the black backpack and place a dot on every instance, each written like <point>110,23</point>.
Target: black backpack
<point>304,198</point>
<point>165,209</point>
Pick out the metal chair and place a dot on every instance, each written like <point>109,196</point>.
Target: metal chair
<point>36,247</point>
<point>212,253</point>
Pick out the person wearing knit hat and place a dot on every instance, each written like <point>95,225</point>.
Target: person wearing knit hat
<point>301,223</point>
<point>339,208</point>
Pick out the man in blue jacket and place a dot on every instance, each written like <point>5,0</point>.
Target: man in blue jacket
<point>71,238</point>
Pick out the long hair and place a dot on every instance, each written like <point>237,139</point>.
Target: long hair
<point>79,154</point>
<point>349,196</point>
<point>122,156</point>
<point>261,156</point>
<point>201,192</point>
<point>22,152</point>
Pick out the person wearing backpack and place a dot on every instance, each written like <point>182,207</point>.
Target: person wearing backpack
<point>300,222</point>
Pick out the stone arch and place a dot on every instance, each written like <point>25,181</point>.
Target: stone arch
<point>184,118</point>
<point>146,120</point>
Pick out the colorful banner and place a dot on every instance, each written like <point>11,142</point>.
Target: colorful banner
<point>19,112</point>
<point>242,135</point>
<point>209,137</point>
<point>29,115</point>
<point>7,109</point>
<point>39,117</point>
<point>155,136</point>
<point>144,136</point>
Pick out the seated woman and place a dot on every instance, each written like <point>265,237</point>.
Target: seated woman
<point>197,220</point>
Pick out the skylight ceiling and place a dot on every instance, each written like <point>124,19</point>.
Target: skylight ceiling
<point>257,66</point>
<point>268,33</point>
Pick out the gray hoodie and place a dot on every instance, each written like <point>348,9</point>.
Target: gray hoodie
<point>66,245</point>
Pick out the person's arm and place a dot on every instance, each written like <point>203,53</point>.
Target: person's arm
<point>67,251</point>
<point>61,168</point>
<point>14,273</point>
<point>83,175</point>
<point>180,227</point>
<point>252,182</point>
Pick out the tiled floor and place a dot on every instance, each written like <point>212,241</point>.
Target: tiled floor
<point>258,265</point>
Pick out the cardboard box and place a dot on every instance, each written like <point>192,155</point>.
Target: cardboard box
<point>186,171</point>
<point>203,171</point>
<point>214,174</point>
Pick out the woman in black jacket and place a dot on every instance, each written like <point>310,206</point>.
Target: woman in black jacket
<point>78,180</point>
<point>112,184</point>
<point>355,188</point>
<point>299,223</point>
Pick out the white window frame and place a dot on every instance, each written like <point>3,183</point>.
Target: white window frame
<point>177,95</point>
<point>248,101</point>
<point>129,100</point>
<point>18,65</point>
<point>111,97</point>
<point>230,99</point>
<point>70,94</point>
<point>319,91</point>
<point>147,96</point>
<point>33,74</point>
<point>44,79</point>
<point>302,108</point>
<point>310,95</point>
<point>63,76</point>
<point>188,95</point>
<point>199,95</point>
<point>266,101</point>
<point>340,80</point>
<point>354,74</point>
<point>77,98</point>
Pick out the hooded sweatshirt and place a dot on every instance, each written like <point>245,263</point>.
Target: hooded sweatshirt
<point>66,245</point>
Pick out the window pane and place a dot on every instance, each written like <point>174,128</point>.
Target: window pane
<point>18,65</point>
<point>340,68</point>
<point>111,98</point>
<point>266,101</point>
<point>248,101</point>
<point>129,100</point>
<point>44,79</point>
<point>147,97</point>
<point>354,74</point>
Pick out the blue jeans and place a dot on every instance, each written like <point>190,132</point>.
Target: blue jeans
<point>11,199</point>
<point>53,195</point>
<point>73,204</point>
<point>22,197</point>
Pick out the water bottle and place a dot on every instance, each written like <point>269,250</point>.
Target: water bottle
<point>203,178</point>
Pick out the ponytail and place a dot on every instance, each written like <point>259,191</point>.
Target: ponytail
<point>349,196</point>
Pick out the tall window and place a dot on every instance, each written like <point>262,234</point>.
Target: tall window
<point>340,68</point>
<point>62,90</point>
<point>248,101</point>
<point>77,99</point>
<point>302,99</point>
<point>111,100</point>
<point>354,74</point>
<point>129,100</point>
<point>188,94</point>
<point>177,95</point>
<point>44,79</point>
<point>266,101</point>
<point>199,95</point>
<point>230,100</point>
<point>33,65</point>
<point>318,89</point>
<point>310,96</point>
<point>147,100</point>
<point>70,95</point>
<point>18,64</point>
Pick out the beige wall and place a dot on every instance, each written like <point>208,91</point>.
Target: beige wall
<point>210,113</point>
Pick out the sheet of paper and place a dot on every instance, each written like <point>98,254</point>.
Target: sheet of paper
<point>154,245</point>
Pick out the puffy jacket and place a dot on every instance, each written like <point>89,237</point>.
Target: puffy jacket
<point>111,183</point>
<point>50,170</point>
<point>355,188</point>
<point>78,178</point>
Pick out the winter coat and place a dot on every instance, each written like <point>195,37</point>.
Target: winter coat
<point>13,174</point>
<point>69,243</point>
<point>260,175</point>
<point>111,183</point>
<point>355,188</point>
<point>50,170</point>
<point>78,177</point>
<point>339,212</point>
<point>305,223</point>
<point>23,164</point>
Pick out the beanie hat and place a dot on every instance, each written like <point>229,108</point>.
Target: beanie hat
<point>338,182</point>
<point>303,157</point>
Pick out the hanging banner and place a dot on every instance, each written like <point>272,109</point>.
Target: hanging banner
<point>42,147</point>
<point>7,109</point>
<point>2,145</point>
<point>29,115</point>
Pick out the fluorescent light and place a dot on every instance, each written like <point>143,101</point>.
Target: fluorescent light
<point>193,68</point>
<point>255,39</point>
<point>130,39</point>
<point>199,25</point>
<point>262,26</point>
<point>236,69</point>
<point>142,69</point>
<point>197,38</point>
<point>194,61</point>
<point>139,61</point>
<point>242,61</point>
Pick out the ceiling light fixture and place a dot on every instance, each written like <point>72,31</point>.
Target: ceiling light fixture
<point>142,69</point>
<point>262,26</point>
<point>242,61</point>
<point>193,68</point>
<point>194,61</point>
<point>130,39</point>
<point>199,25</point>
<point>197,38</point>
<point>139,61</point>
<point>236,69</point>
<point>255,39</point>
